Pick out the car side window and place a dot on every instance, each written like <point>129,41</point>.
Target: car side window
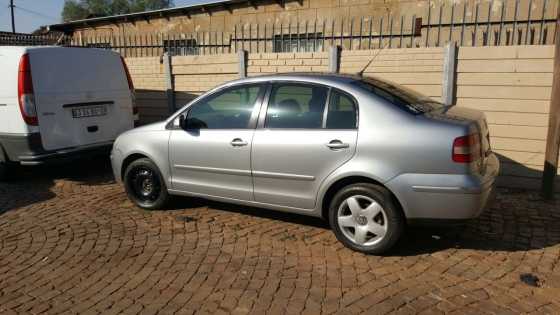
<point>228,109</point>
<point>342,111</point>
<point>296,105</point>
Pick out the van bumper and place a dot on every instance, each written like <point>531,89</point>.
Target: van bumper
<point>445,199</point>
<point>29,150</point>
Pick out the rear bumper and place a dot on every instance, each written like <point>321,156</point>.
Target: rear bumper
<point>445,198</point>
<point>29,150</point>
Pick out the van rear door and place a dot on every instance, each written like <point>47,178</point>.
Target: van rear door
<point>81,95</point>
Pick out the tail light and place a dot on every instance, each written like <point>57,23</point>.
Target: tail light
<point>26,97</point>
<point>130,86</point>
<point>466,149</point>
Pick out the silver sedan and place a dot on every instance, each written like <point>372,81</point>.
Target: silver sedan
<point>368,156</point>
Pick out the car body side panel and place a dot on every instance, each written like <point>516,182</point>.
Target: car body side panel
<point>444,196</point>
<point>289,165</point>
<point>154,145</point>
<point>206,162</point>
<point>391,143</point>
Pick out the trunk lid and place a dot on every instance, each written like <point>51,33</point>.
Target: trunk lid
<point>476,122</point>
<point>82,96</point>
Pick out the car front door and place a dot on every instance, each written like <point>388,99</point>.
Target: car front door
<point>306,133</point>
<point>212,155</point>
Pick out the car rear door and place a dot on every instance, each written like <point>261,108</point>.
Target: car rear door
<point>81,95</point>
<point>215,159</point>
<point>300,142</point>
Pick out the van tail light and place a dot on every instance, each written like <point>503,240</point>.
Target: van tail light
<point>466,149</point>
<point>131,87</point>
<point>26,97</point>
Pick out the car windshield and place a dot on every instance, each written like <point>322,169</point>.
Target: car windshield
<point>403,97</point>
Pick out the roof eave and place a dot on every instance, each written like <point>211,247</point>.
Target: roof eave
<point>203,7</point>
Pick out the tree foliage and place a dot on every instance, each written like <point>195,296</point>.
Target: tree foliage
<point>82,9</point>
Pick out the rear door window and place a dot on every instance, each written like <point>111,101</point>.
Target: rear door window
<point>296,105</point>
<point>342,111</point>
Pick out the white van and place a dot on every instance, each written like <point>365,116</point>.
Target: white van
<point>58,102</point>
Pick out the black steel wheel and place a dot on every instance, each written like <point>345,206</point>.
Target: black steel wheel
<point>3,171</point>
<point>144,185</point>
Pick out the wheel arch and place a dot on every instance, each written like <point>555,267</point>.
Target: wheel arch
<point>349,180</point>
<point>131,158</point>
<point>3,154</point>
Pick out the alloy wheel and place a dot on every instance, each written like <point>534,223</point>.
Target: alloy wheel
<point>362,220</point>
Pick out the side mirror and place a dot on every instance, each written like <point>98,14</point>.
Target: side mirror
<point>191,123</point>
<point>183,122</point>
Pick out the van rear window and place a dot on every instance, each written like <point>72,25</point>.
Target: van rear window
<point>404,98</point>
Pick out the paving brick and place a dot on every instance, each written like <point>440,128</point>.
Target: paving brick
<point>70,241</point>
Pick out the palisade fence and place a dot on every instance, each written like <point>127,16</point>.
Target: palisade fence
<point>440,25</point>
<point>22,39</point>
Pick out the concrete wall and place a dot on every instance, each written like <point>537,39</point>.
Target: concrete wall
<point>512,85</point>
<point>417,68</point>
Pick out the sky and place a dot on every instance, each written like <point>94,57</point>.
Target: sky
<point>30,14</point>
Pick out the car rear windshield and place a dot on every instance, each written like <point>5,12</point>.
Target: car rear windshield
<point>405,98</point>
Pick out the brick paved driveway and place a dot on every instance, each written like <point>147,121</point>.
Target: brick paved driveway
<point>70,241</point>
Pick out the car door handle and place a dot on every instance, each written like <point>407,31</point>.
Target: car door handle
<point>238,142</point>
<point>337,144</point>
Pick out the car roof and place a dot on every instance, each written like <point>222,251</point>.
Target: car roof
<point>311,77</point>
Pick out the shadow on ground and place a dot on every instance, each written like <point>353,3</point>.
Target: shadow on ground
<point>182,203</point>
<point>517,221</point>
<point>28,185</point>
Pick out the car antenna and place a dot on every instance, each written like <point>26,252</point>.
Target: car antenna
<point>361,72</point>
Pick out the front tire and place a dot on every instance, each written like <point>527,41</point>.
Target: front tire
<point>145,186</point>
<point>3,171</point>
<point>365,218</point>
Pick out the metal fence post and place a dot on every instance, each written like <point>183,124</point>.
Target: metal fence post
<point>169,87</point>
<point>448,84</point>
<point>334,59</point>
<point>242,55</point>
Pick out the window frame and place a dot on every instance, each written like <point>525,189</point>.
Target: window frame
<point>382,86</point>
<point>254,114</point>
<point>261,124</point>
<point>280,41</point>
<point>101,45</point>
<point>181,47</point>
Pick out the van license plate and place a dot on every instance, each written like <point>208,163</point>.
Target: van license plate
<point>90,111</point>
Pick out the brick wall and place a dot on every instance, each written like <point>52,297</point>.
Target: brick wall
<point>194,75</point>
<point>267,63</point>
<point>243,14</point>
<point>148,76</point>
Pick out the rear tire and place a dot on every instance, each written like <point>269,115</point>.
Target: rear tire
<point>145,185</point>
<point>365,218</point>
<point>5,166</point>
